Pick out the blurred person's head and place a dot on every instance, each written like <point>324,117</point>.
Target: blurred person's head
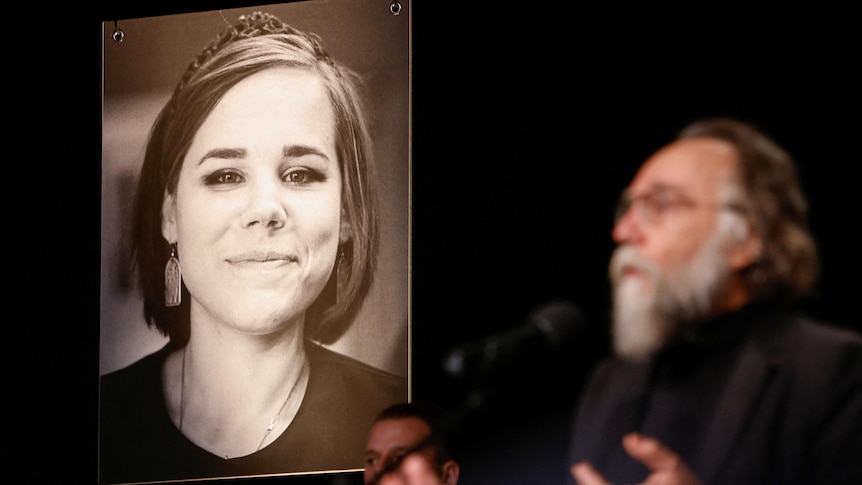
<point>710,222</point>
<point>406,428</point>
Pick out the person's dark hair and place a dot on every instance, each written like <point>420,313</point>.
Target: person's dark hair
<point>437,419</point>
<point>788,266</point>
<point>256,42</point>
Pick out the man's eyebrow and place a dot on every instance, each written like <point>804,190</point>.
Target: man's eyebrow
<point>658,188</point>
<point>663,187</point>
<point>223,153</point>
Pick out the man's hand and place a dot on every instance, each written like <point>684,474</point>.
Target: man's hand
<point>667,468</point>
<point>413,470</point>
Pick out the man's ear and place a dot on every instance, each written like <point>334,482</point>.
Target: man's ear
<point>449,472</point>
<point>746,248</point>
<point>169,218</point>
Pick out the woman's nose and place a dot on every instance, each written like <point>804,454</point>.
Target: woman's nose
<point>266,207</point>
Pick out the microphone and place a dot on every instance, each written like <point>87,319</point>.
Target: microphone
<point>548,328</point>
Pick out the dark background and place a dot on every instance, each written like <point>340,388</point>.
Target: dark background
<point>528,119</point>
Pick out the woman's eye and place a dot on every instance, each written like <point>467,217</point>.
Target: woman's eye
<point>302,176</point>
<point>224,177</point>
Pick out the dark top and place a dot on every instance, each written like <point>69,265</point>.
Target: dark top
<point>757,397</point>
<point>138,441</point>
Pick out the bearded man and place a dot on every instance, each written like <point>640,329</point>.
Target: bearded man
<point>716,377</point>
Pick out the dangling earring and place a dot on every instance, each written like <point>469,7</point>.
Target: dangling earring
<point>173,278</point>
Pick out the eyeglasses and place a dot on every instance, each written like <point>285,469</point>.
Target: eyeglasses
<point>653,206</point>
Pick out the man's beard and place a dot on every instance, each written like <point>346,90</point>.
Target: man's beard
<point>650,308</point>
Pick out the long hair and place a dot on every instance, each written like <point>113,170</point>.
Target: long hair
<point>789,264</point>
<point>256,42</point>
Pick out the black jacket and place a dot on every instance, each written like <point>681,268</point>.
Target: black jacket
<point>784,406</point>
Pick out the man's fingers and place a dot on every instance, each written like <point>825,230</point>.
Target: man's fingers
<point>650,452</point>
<point>667,466</point>
<point>585,474</point>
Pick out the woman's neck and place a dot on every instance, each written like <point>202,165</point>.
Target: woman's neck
<point>232,362</point>
<point>232,386</point>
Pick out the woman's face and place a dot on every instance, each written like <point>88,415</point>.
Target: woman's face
<point>256,214</point>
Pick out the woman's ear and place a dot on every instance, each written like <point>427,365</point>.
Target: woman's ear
<point>169,218</point>
<point>344,234</point>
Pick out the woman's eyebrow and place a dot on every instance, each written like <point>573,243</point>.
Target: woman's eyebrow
<point>223,153</point>
<point>290,151</point>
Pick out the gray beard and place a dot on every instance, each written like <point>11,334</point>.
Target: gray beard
<point>650,310</point>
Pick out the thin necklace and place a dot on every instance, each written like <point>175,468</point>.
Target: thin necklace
<point>272,422</point>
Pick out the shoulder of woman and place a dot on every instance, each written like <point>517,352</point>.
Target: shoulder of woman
<point>357,377</point>
<point>144,370</point>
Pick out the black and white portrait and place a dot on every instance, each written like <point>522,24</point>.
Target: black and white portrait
<point>255,242</point>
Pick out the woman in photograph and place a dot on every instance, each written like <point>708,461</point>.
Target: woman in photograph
<point>254,240</point>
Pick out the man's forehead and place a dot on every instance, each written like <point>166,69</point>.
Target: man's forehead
<point>406,429</point>
<point>688,166</point>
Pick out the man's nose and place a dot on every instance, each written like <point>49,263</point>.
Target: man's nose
<point>627,228</point>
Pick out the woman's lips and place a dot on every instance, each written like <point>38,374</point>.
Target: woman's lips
<point>262,259</point>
